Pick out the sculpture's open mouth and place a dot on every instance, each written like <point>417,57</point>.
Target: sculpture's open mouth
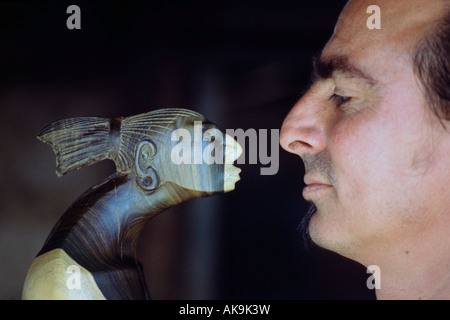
<point>233,150</point>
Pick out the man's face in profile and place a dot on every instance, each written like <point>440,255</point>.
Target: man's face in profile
<point>376,156</point>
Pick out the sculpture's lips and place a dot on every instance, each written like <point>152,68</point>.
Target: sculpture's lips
<point>233,150</point>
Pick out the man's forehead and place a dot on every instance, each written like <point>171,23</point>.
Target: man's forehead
<point>403,22</point>
<point>380,51</point>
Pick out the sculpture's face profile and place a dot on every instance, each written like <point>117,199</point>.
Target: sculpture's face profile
<point>165,145</point>
<point>195,155</point>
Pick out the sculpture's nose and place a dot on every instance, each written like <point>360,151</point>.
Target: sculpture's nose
<point>233,150</point>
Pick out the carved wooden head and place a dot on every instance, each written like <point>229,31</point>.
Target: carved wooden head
<point>166,145</point>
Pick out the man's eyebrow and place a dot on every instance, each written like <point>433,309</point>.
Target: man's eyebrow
<point>323,69</point>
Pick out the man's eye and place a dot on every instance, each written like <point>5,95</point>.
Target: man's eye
<point>339,100</point>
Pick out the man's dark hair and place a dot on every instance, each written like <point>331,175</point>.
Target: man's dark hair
<point>431,60</point>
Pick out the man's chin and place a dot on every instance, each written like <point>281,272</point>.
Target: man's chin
<point>311,231</point>
<point>316,234</point>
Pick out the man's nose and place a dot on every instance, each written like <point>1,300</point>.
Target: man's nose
<point>303,129</point>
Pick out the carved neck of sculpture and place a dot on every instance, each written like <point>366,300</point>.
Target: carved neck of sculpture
<point>100,232</point>
<point>105,222</point>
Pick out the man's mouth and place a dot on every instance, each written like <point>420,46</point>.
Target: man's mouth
<point>314,185</point>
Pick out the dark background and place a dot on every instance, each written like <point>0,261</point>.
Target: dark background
<point>242,64</point>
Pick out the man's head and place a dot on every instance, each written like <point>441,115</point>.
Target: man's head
<point>374,133</point>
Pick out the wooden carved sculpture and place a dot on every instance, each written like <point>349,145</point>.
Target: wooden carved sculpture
<point>98,234</point>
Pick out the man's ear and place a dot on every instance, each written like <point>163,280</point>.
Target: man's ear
<point>147,178</point>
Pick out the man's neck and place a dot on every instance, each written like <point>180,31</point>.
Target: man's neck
<point>416,269</point>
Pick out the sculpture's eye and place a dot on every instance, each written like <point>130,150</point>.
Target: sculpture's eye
<point>212,135</point>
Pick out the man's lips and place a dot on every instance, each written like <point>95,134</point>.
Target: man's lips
<point>314,184</point>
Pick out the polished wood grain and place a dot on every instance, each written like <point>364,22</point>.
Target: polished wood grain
<point>99,232</point>
<point>47,279</point>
